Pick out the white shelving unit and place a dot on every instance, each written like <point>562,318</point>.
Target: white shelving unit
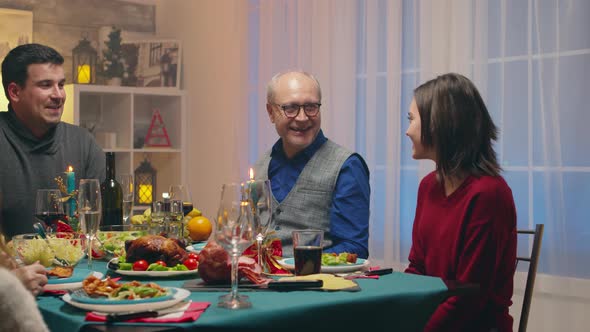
<point>125,114</point>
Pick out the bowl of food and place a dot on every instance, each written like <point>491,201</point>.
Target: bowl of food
<point>111,239</point>
<point>57,247</point>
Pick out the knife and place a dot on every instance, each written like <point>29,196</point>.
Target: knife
<point>120,317</point>
<point>378,272</point>
<point>294,284</point>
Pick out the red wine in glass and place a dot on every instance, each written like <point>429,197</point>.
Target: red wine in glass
<point>187,207</point>
<point>308,260</point>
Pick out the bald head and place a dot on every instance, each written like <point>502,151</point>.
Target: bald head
<point>286,79</point>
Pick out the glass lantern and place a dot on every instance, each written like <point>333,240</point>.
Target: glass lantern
<point>84,58</point>
<point>145,183</point>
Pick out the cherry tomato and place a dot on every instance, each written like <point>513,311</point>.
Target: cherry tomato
<point>161,263</point>
<point>193,256</point>
<point>140,265</point>
<point>191,263</point>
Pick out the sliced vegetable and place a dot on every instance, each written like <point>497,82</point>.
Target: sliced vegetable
<point>125,266</point>
<point>179,267</point>
<point>334,259</point>
<point>157,267</point>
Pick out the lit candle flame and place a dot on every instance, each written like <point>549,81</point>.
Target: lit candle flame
<point>70,169</point>
<point>251,174</point>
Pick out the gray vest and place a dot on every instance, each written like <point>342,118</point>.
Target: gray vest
<point>308,203</point>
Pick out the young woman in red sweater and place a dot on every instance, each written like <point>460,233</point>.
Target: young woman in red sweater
<point>465,223</point>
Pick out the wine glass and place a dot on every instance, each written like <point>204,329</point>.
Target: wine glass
<point>90,210</point>
<point>260,198</point>
<point>234,231</point>
<point>49,208</point>
<point>182,193</point>
<point>126,182</point>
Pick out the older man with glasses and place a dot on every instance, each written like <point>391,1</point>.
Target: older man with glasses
<point>315,182</point>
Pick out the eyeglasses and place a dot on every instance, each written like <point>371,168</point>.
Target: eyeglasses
<point>292,110</point>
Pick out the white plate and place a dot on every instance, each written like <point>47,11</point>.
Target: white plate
<point>151,273</point>
<point>69,285</point>
<point>196,247</point>
<point>180,295</point>
<point>289,263</point>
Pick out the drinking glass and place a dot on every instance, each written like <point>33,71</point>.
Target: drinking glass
<point>234,231</point>
<point>90,210</point>
<point>182,192</point>
<point>260,198</point>
<point>126,182</point>
<point>175,226</point>
<point>157,225</point>
<point>307,249</point>
<point>49,208</point>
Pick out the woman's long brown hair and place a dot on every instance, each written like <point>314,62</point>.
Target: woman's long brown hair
<point>456,123</point>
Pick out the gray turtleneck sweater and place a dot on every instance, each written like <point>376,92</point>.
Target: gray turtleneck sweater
<point>28,163</point>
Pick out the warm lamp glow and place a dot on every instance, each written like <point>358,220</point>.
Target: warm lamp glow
<point>251,174</point>
<point>70,169</point>
<point>84,74</point>
<point>145,194</point>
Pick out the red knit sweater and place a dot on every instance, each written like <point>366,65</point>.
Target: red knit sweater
<point>469,236</point>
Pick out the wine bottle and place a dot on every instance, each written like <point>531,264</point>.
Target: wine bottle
<point>112,195</point>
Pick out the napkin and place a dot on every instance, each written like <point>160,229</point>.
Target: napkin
<point>192,313</point>
<point>56,292</point>
<point>331,282</point>
<point>272,252</point>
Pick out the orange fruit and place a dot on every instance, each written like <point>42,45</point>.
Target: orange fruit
<point>199,228</point>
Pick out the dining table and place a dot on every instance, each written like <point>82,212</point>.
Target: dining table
<point>393,302</point>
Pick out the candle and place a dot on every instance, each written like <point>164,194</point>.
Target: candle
<point>251,189</point>
<point>145,194</point>
<point>84,74</point>
<point>71,186</point>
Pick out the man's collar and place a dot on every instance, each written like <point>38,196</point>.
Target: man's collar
<point>45,144</point>
<point>308,152</point>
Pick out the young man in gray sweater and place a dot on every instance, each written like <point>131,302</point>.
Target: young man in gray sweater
<point>35,146</point>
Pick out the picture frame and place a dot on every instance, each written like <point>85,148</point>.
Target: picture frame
<point>16,28</point>
<point>152,63</point>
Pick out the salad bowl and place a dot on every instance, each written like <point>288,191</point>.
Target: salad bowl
<point>110,240</point>
<point>30,247</point>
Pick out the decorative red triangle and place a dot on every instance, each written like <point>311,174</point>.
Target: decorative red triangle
<point>157,134</point>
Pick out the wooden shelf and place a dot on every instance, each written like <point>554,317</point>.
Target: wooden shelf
<point>121,117</point>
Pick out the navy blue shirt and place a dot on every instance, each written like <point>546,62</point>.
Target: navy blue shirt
<point>349,212</point>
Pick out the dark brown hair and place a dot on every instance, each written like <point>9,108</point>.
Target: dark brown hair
<point>456,124</point>
<point>17,61</point>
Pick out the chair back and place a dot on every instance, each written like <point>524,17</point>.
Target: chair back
<point>533,260</point>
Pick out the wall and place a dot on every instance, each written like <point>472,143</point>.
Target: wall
<point>61,24</point>
<point>214,66</point>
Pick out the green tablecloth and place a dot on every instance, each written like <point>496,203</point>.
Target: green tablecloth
<point>396,302</point>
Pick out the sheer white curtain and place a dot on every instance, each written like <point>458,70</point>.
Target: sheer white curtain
<point>530,60</point>
<point>354,49</point>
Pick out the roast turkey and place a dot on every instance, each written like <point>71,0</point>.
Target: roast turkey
<point>154,248</point>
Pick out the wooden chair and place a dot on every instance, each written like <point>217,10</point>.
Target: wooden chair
<point>533,260</point>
